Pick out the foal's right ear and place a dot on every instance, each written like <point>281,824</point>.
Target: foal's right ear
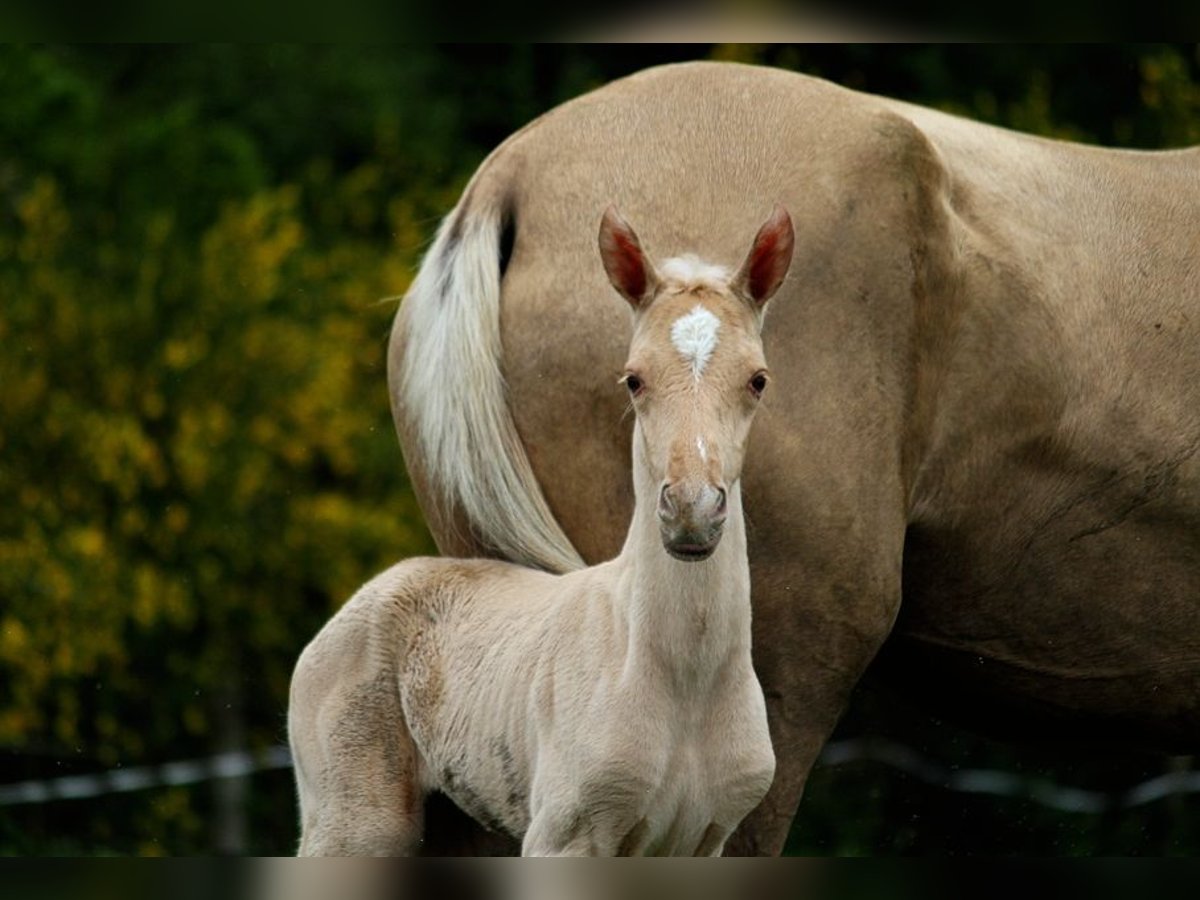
<point>630,272</point>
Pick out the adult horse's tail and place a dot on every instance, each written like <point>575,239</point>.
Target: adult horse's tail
<point>450,402</point>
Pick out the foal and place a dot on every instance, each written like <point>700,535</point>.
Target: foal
<point>611,710</point>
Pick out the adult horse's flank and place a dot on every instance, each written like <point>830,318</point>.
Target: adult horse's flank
<point>991,346</point>
<point>612,710</point>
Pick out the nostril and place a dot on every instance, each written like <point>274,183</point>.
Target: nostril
<point>720,501</point>
<point>666,509</point>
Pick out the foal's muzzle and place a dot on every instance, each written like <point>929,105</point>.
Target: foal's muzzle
<point>691,519</point>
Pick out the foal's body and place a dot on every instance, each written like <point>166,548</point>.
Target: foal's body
<point>540,705</point>
<point>609,711</point>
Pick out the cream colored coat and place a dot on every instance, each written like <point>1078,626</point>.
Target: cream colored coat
<point>611,710</point>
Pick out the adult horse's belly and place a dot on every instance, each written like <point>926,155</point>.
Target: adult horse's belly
<point>1083,624</point>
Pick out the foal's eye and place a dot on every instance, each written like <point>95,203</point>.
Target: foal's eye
<point>633,384</point>
<point>758,384</point>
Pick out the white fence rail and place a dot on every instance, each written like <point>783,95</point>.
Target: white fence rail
<point>994,782</point>
<point>234,764</point>
<point>999,783</point>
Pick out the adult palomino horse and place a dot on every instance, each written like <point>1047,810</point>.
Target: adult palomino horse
<point>611,710</point>
<point>988,448</point>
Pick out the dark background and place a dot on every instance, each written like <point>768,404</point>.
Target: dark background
<point>197,464</point>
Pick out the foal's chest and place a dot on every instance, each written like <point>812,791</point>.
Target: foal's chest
<point>700,801</point>
<point>654,782</point>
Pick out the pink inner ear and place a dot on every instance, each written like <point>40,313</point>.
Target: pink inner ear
<point>766,270</point>
<point>626,266</point>
<point>770,256</point>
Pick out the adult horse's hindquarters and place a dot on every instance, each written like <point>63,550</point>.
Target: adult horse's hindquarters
<point>993,339</point>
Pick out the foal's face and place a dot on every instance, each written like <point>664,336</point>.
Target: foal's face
<point>695,372</point>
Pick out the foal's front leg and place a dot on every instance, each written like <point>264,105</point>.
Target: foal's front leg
<point>563,833</point>
<point>588,800</point>
<point>583,830</point>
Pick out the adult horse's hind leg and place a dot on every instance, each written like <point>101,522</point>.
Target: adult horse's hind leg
<point>356,764</point>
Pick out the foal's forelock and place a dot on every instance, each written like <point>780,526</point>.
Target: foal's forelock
<point>690,273</point>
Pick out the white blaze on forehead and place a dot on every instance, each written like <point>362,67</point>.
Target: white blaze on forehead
<point>695,337</point>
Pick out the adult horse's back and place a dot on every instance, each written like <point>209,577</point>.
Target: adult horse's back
<point>986,420</point>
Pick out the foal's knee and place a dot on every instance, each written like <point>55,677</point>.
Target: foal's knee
<point>379,831</point>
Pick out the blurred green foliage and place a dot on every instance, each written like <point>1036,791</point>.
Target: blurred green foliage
<point>197,463</point>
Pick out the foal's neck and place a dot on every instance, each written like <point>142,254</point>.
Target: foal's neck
<point>687,620</point>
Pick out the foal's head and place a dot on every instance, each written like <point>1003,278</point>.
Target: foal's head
<point>696,370</point>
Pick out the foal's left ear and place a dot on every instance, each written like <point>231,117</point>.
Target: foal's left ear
<point>769,258</point>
